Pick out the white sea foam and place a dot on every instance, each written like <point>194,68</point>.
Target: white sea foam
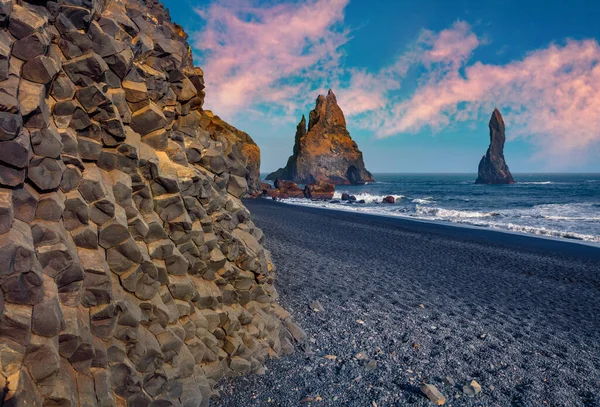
<point>450,214</point>
<point>552,220</point>
<point>560,212</point>
<point>543,231</point>
<point>423,201</point>
<point>537,183</point>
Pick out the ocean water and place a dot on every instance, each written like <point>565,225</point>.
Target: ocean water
<point>557,205</point>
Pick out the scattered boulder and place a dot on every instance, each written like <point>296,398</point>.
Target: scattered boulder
<point>321,190</point>
<point>289,189</point>
<point>472,388</point>
<point>449,381</point>
<point>433,394</point>
<point>389,199</point>
<point>316,306</point>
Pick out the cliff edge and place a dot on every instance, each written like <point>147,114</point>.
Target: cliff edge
<point>131,272</point>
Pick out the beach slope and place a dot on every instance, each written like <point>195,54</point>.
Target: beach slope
<point>422,301</point>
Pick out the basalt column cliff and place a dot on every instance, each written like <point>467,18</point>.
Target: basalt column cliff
<point>325,152</point>
<point>130,271</point>
<point>492,167</point>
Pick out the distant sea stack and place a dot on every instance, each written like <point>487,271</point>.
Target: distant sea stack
<point>492,167</point>
<point>324,152</point>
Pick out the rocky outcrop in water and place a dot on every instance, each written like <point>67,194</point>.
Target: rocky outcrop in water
<point>492,167</point>
<point>289,189</point>
<point>324,152</point>
<point>131,272</point>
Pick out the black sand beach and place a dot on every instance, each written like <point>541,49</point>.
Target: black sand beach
<point>519,314</point>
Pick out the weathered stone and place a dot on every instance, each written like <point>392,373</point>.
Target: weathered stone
<point>16,250</point>
<point>71,178</point>
<point>51,206</point>
<point>46,142</point>
<point>433,394</point>
<point>45,173</point>
<point>63,88</point>
<point>10,176</point>
<point>47,315</point>
<point>472,388</point>
<point>92,96</point>
<point>42,358</point>
<point>148,119</point>
<point>5,10</point>
<point>237,186</point>
<point>6,211</point>
<point>135,92</point>
<point>89,149</point>
<point>21,390</point>
<point>86,236</point>
<point>41,69</point>
<point>86,69</point>
<point>31,47</point>
<point>239,365</point>
<point>114,232</point>
<point>10,125</point>
<point>24,22</point>
<point>213,161</point>
<point>31,96</point>
<point>25,201</point>
<point>187,91</point>
<point>15,323</point>
<point>16,152</point>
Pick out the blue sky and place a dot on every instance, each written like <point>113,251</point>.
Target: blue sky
<point>417,80</point>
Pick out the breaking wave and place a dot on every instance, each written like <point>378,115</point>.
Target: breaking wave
<point>368,198</point>
<point>449,214</point>
<point>559,206</point>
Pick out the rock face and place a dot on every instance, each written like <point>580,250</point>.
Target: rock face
<point>324,152</point>
<point>131,272</point>
<point>492,167</point>
<point>242,148</point>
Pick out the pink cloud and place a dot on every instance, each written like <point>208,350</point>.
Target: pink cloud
<point>365,92</point>
<point>252,54</point>
<point>279,57</point>
<point>451,46</point>
<point>551,97</point>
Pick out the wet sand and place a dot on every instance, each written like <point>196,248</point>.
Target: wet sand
<point>519,314</point>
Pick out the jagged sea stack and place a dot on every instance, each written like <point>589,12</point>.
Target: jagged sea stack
<point>324,152</point>
<point>492,167</point>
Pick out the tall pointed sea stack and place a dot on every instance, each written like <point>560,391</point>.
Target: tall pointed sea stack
<point>492,167</point>
<point>324,152</point>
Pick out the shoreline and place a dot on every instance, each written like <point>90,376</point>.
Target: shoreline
<point>444,224</point>
<point>408,302</point>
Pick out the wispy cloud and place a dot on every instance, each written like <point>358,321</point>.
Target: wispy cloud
<point>277,57</point>
<point>551,96</point>
<point>255,55</point>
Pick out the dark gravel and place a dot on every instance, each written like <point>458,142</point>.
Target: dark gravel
<point>521,315</point>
